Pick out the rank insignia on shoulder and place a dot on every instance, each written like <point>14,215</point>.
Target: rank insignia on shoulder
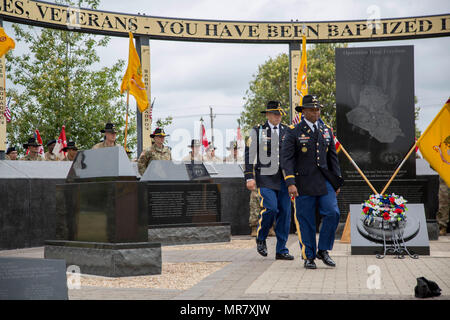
<point>291,126</point>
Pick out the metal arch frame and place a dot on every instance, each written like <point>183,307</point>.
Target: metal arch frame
<point>51,15</point>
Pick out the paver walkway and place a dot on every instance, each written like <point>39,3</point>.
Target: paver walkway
<point>250,276</point>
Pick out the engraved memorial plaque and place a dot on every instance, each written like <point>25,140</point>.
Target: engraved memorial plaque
<point>32,279</point>
<point>375,109</point>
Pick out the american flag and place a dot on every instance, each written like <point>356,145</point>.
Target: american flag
<point>7,113</point>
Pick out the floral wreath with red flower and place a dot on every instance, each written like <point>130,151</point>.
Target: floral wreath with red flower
<point>389,207</point>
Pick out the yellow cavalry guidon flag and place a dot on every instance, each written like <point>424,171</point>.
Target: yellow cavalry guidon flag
<point>6,43</point>
<point>302,79</point>
<point>132,80</point>
<point>434,143</point>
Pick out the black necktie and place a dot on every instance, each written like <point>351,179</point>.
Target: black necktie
<point>316,131</point>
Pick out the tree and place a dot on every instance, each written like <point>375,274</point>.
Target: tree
<point>56,84</point>
<point>272,83</point>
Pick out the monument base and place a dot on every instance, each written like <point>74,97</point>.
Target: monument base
<point>432,229</point>
<point>177,234</point>
<point>416,238</point>
<point>107,259</point>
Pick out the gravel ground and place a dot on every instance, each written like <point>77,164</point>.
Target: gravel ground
<point>180,276</point>
<point>233,244</point>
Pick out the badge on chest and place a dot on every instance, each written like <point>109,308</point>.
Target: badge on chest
<point>303,139</point>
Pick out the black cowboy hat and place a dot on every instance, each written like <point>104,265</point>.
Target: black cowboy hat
<point>70,145</point>
<point>195,143</point>
<point>51,142</point>
<point>11,149</point>
<point>274,107</point>
<point>159,132</point>
<point>31,143</point>
<point>309,101</point>
<point>109,127</point>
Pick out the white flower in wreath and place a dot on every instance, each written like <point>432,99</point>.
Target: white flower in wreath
<point>399,201</point>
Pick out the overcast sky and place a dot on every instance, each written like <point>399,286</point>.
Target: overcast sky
<point>188,77</point>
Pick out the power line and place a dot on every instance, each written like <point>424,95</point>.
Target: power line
<point>200,115</point>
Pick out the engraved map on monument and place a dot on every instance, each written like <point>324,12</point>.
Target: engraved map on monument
<point>373,100</point>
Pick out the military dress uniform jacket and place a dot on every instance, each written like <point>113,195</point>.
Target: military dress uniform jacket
<point>305,159</point>
<point>260,138</point>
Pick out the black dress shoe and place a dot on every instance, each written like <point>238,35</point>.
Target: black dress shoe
<point>323,255</point>
<point>310,264</point>
<point>284,256</point>
<point>261,247</point>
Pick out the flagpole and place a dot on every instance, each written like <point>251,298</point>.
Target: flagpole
<point>399,167</point>
<point>358,169</point>
<point>126,121</point>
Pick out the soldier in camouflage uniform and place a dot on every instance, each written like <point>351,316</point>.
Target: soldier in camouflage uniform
<point>110,137</point>
<point>443,213</point>
<point>158,151</point>
<point>254,211</point>
<point>33,154</point>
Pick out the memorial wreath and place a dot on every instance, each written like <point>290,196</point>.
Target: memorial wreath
<point>389,207</point>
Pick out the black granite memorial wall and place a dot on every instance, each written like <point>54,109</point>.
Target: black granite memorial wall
<point>99,226</point>
<point>186,195</point>
<point>28,201</point>
<point>181,202</point>
<point>375,110</point>
<point>99,201</point>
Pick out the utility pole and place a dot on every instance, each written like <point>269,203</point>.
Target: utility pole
<point>212,116</point>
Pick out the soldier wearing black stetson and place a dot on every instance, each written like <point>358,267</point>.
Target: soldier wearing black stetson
<point>262,171</point>
<point>11,153</point>
<point>312,173</point>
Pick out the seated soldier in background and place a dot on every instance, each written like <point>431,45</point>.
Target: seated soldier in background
<point>33,146</point>
<point>49,155</point>
<point>11,153</point>
<point>233,156</point>
<point>71,150</point>
<point>158,151</point>
<point>211,155</point>
<point>195,154</point>
<point>110,137</point>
